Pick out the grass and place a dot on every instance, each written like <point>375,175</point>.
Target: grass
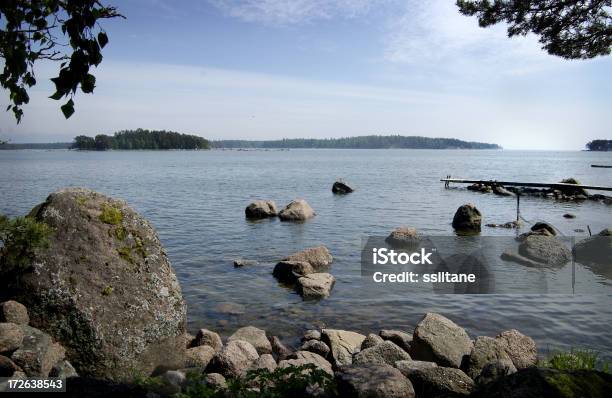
<point>576,359</point>
<point>111,215</point>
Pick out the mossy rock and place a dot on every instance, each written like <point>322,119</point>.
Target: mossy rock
<point>103,287</point>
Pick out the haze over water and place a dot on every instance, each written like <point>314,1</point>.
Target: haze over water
<point>196,202</point>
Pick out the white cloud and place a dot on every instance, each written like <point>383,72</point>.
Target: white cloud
<point>289,12</point>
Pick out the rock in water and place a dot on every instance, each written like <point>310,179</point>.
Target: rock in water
<point>318,257</point>
<point>103,287</point>
<point>571,190</point>
<point>316,286</point>
<point>550,230</point>
<point>438,339</point>
<point>501,191</point>
<point>467,219</point>
<point>260,209</point>
<point>297,210</point>
<point>596,250</point>
<point>341,188</point>
<point>373,381</point>
<point>545,249</point>
<point>404,237</point>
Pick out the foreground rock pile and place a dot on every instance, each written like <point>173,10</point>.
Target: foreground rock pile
<point>26,351</point>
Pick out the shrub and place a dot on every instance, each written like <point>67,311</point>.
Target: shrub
<point>110,215</point>
<point>576,359</point>
<point>20,237</point>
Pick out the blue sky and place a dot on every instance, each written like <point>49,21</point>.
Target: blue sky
<point>318,68</point>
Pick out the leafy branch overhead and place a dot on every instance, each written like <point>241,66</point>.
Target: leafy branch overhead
<point>572,29</point>
<point>66,31</point>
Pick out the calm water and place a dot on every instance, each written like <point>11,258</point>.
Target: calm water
<point>196,202</point>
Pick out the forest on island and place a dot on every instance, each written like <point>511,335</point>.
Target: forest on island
<point>140,139</point>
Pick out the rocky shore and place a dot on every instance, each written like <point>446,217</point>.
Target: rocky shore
<point>100,305</point>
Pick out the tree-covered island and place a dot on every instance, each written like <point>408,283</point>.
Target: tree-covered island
<point>140,139</point>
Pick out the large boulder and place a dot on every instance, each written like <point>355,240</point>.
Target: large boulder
<point>199,357</point>
<point>297,210</point>
<point>316,286</point>
<point>486,350</point>
<point>545,249</point>
<point>371,340</point>
<point>549,383</point>
<point>438,339</point>
<point>260,209</point>
<point>14,312</point>
<point>308,261</point>
<point>341,188</point>
<point>385,352</point>
<point>407,367</point>
<point>467,219</point>
<point>441,382</point>
<point>103,287</point>
<point>539,226</point>
<point>255,336</point>
<point>343,344</point>
<point>373,381</point>
<point>233,359</point>
<point>521,349</point>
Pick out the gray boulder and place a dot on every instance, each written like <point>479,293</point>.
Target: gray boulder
<point>438,339</point>
<point>402,339</point>
<point>386,352</point>
<point>231,361</point>
<point>279,349</point>
<point>521,349</point>
<point>255,336</point>
<point>343,344</point>
<point>38,352</point>
<point>467,219</point>
<point>341,188</point>
<point>410,366</point>
<point>209,338</point>
<point>199,357</point>
<point>260,209</point>
<point>129,318</point>
<point>215,380</point>
<point>291,271</point>
<point>300,358</point>
<point>486,350</point>
<point>297,210</point>
<point>316,346</point>
<point>441,382</point>
<point>265,361</point>
<point>373,381</point>
<point>596,250</point>
<point>11,337</point>
<point>14,312</point>
<point>316,286</point>
<point>494,370</point>
<point>545,249</point>
<point>501,191</point>
<point>371,340</point>
<point>311,334</point>
<point>318,257</point>
<point>539,226</point>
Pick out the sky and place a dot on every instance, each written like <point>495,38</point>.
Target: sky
<point>270,69</point>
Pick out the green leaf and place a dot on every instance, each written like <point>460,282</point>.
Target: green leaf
<point>57,96</point>
<point>88,83</point>
<point>68,109</point>
<point>102,39</point>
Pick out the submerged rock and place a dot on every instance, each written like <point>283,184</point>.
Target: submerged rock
<point>501,191</point>
<point>373,381</point>
<point>467,219</point>
<point>103,287</point>
<point>297,210</point>
<point>302,263</point>
<point>341,188</point>
<point>438,339</point>
<point>596,250</point>
<point>316,286</point>
<point>260,209</point>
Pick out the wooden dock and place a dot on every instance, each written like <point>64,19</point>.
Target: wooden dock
<point>557,185</point>
<point>601,166</point>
